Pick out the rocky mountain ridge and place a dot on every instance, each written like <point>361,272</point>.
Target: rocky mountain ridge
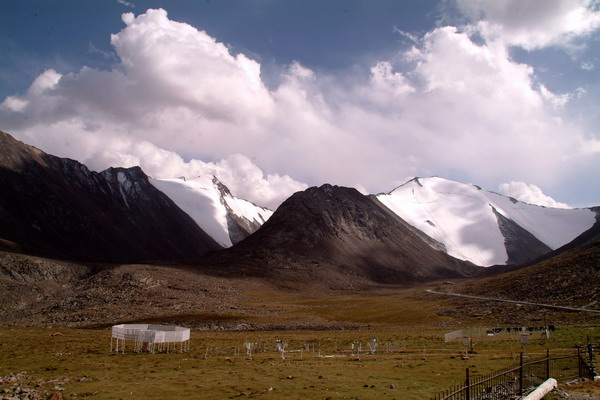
<point>59,208</point>
<point>464,221</point>
<point>323,238</point>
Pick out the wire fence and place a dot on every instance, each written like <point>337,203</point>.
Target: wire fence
<point>518,379</point>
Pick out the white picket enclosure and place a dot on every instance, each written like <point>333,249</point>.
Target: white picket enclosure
<point>149,337</point>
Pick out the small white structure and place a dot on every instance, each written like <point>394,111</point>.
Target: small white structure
<point>151,338</point>
<point>281,348</point>
<point>372,345</point>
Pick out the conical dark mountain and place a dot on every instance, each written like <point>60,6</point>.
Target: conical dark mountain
<point>57,207</point>
<point>339,237</point>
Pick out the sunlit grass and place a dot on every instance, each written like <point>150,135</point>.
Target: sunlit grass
<point>418,364</point>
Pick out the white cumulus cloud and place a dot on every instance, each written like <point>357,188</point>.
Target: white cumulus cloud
<point>533,24</point>
<point>180,103</point>
<point>529,193</point>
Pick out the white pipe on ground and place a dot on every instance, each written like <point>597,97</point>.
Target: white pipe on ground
<point>542,390</point>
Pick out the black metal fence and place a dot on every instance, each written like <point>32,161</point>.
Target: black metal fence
<point>515,380</point>
<point>592,354</point>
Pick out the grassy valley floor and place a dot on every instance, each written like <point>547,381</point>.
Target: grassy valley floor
<point>409,363</point>
<point>56,335</point>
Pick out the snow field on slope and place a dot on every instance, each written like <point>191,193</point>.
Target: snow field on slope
<point>553,226</point>
<point>453,214</point>
<point>463,219</point>
<point>248,210</point>
<point>202,202</point>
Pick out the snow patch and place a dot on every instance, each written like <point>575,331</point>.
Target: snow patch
<point>199,199</point>
<point>208,206</point>
<point>248,210</point>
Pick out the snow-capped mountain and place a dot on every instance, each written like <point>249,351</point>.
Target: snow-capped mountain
<point>57,207</point>
<point>481,226</point>
<point>227,219</point>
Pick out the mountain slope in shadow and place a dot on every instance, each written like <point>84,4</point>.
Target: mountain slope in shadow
<point>340,238</point>
<point>58,208</point>
<point>569,276</point>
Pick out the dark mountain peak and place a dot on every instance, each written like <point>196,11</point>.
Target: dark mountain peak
<point>14,152</point>
<point>224,190</point>
<point>340,237</point>
<point>325,193</point>
<point>327,211</point>
<point>120,174</point>
<point>128,182</point>
<point>331,191</point>
<point>58,207</point>
<point>19,157</point>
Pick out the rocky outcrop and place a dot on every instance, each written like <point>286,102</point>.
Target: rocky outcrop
<point>239,226</point>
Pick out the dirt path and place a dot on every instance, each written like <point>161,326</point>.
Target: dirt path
<point>514,302</point>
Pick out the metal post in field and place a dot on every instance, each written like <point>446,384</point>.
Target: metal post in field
<point>578,362</point>
<point>547,363</point>
<point>524,340</point>
<point>590,350</point>
<point>467,385</point>
<point>521,375</point>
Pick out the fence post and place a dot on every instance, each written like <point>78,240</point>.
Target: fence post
<point>547,363</point>
<point>590,349</point>
<point>578,362</point>
<point>521,375</point>
<point>467,386</point>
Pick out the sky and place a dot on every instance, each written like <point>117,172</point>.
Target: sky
<point>273,96</point>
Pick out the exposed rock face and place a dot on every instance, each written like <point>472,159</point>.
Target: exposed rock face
<point>57,207</point>
<point>521,245</point>
<point>240,227</point>
<point>339,237</point>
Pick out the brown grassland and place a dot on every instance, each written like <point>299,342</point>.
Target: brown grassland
<point>412,360</point>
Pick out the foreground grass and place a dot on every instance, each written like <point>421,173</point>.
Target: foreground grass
<point>417,366</point>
